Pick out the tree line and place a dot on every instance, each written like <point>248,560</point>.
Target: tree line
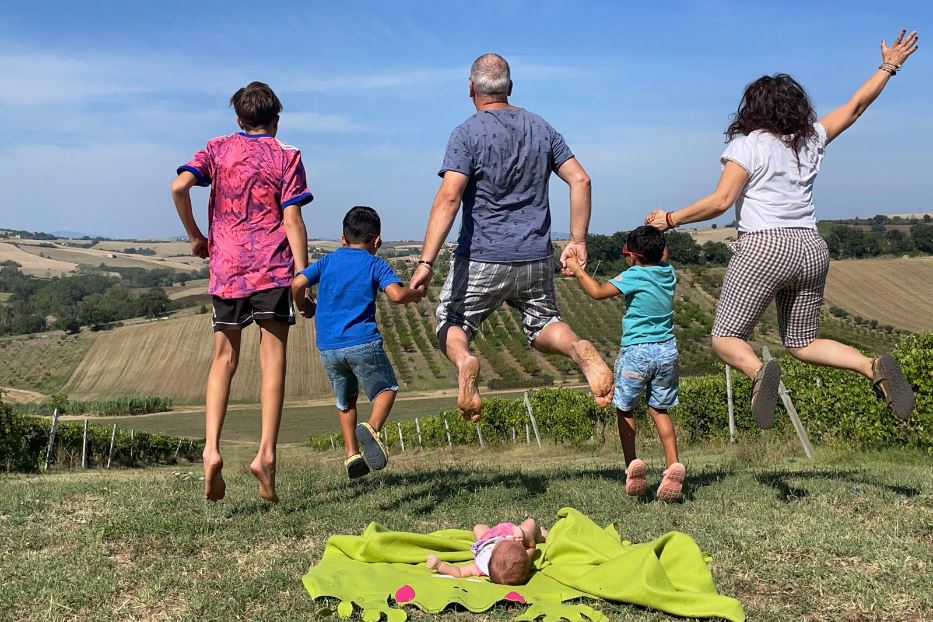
<point>91,299</point>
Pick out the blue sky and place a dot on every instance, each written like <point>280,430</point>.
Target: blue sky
<point>101,101</point>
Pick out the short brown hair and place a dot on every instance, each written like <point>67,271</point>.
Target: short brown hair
<point>256,105</point>
<point>509,563</point>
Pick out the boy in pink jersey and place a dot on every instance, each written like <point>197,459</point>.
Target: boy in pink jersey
<point>256,242</point>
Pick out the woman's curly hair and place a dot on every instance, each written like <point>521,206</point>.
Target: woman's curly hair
<point>778,105</point>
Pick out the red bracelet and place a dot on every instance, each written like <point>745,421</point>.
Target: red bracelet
<point>669,220</point>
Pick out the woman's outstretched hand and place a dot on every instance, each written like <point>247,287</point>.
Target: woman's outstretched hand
<point>657,219</point>
<point>900,49</point>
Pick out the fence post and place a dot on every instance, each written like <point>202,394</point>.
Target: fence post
<point>513,434</point>
<point>53,431</point>
<point>418,427</point>
<point>527,434</point>
<point>177,449</point>
<point>84,447</point>
<point>332,446</point>
<point>132,443</point>
<point>113,437</point>
<point>791,410</point>
<point>534,422</point>
<point>447,429</point>
<point>401,439</point>
<point>729,404</point>
<point>479,435</point>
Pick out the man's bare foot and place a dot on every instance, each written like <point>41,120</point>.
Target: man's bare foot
<point>264,471</point>
<point>598,375</point>
<point>469,403</point>
<point>214,485</point>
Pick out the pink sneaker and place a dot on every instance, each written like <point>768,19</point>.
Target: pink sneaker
<point>635,483</point>
<point>672,482</point>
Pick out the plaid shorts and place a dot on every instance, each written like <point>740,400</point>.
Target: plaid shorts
<point>787,265</point>
<point>474,289</point>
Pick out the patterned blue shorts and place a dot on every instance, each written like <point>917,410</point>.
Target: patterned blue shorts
<point>365,364</point>
<point>647,367</point>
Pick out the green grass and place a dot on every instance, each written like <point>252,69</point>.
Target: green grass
<point>848,536</point>
<point>298,422</point>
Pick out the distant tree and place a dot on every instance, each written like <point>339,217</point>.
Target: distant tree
<point>715,253</point>
<point>922,238</point>
<point>926,218</point>
<point>897,243</point>
<point>153,303</point>
<point>683,248</point>
<point>714,226</point>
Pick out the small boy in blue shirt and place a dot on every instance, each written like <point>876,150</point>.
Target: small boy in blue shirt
<point>648,358</point>
<point>347,336</point>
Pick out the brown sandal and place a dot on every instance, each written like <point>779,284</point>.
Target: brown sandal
<point>890,385</point>
<point>765,392</point>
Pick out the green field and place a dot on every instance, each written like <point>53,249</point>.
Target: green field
<point>44,362</point>
<point>298,422</point>
<point>845,537</point>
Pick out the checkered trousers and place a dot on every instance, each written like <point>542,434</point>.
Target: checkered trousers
<point>474,289</point>
<point>787,265</point>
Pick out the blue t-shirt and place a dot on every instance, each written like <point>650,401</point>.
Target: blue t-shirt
<point>349,280</point>
<point>649,301</point>
<point>508,155</point>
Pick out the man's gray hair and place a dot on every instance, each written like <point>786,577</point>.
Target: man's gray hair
<point>490,76</point>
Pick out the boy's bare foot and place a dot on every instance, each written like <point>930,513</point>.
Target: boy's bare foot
<point>264,471</point>
<point>214,485</point>
<point>469,403</point>
<point>595,370</point>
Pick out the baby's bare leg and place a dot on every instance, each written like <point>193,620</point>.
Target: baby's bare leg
<point>533,532</point>
<point>479,530</point>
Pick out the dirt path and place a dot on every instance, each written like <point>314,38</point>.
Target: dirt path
<point>23,396</point>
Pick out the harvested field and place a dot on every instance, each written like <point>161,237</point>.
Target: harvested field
<point>197,287</point>
<point>172,358</point>
<point>162,249</point>
<point>893,291</point>
<point>95,257</point>
<point>33,264</point>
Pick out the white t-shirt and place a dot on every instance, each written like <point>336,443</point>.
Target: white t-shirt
<point>777,194</point>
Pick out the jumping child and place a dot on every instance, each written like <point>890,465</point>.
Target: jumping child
<point>647,361</point>
<point>256,241</point>
<point>347,335</point>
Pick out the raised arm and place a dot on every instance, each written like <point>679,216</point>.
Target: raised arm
<point>581,205</point>
<point>181,195</point>
<point>593,288</point>
<point>730,184</point>
<point>443,213</point>
<point>399,294</point>
<point>840,119</point>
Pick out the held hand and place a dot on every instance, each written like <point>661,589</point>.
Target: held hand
<point>433,562</point>
<point>657,219</point>
<point>421,277</point>
<point>572,265</point>
<point>422,291</point>
<point>578,250</point>
<point>199,246</point>
<point>900,49</point>
<point>308,306</point>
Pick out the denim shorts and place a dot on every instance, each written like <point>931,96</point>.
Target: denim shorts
<point>647,367</point>
<point>365,364</point>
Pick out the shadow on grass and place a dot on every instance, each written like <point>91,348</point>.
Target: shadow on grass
<point>787,492</point>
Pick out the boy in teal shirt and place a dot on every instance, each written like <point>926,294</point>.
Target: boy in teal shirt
<point>648,358</point>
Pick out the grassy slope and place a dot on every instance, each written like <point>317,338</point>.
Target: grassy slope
<point>847,537</point>
<point>42,362</point>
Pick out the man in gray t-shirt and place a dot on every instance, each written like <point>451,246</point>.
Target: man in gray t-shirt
<point>498,164</point>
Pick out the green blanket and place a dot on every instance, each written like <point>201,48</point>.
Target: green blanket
<point>579,560</point>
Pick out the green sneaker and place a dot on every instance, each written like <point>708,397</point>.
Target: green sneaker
<point>372,447</point>
<point>356,466</point>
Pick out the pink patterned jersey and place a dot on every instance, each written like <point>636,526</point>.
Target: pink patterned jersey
<point>253,178</point>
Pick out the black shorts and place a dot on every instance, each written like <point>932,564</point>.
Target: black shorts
<point>236,313</point>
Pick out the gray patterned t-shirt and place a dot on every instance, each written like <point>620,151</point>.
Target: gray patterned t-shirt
<point>508,155</point>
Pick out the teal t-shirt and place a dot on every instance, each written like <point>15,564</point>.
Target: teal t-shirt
<point>649,301</point>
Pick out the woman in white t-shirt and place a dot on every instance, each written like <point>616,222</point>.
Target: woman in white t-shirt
<point>774,153</point>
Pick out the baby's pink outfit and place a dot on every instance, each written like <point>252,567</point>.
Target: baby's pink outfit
<point>482,548</point>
